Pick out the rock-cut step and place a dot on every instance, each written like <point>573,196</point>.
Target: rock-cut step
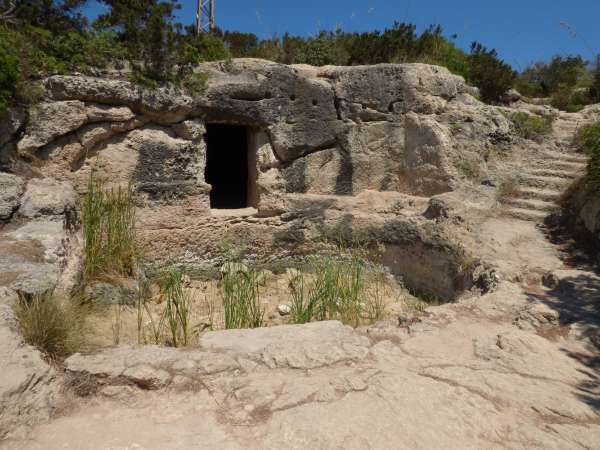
<point>565,157</point>
<point>526,214</point>
<point>556,173</point>
<point>532,205</point>
<point>569,166</point>
<point>543,181</point>
<point>529,193</point>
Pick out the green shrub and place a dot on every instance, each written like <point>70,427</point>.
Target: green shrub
<point>108,217</point>
<point>55,325</point>
<point>593,171</point>
<point>560,73</point>
<point>490,74</point>
<point>595,86</point>
<point>588,137</point>
<point>9,75</point>
<point>530,126</point>
<point>195,83</point>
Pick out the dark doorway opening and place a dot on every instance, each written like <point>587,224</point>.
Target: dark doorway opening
<point>227,165</point>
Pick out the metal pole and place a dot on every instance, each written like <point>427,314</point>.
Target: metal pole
<point>205,16</point>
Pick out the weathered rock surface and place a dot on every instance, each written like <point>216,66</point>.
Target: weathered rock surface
<point>11,189</point>
<point>48,197</point>
<point>381,387</point>
<point>27,384</point>
<point>331,131</point>
<point>402,156</point>
<point>34,250</point>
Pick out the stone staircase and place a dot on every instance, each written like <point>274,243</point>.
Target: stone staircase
<point>542,183</point>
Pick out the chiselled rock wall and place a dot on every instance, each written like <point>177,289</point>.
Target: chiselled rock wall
<point>353,152</point>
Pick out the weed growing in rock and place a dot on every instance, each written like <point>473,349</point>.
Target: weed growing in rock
<point>241,297</point>
<point>531,127</point>
<point>56,325</point>
<point>108,217</point>
<point>509,188</point>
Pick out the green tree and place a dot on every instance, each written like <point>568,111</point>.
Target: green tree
<point>595,88</point>
<point>9,75</point>
<point>148,31</point>
<point>56,16</point>
<point>241,45</point>
<point>489,73</point>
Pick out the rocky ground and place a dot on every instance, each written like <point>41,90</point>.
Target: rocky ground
<point>515,368</point>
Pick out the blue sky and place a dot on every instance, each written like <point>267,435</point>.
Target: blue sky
<point>523,31</point>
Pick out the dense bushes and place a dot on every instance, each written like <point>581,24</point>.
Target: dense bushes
<point>48,36</point>
<point>491,75</point>
<point>9,75</point>
<point>399,44</point>
<point>530,126</point>
<point>566,80</point>
<point>588,139</point>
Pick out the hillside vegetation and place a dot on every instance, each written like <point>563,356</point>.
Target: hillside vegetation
<point>41,37</point>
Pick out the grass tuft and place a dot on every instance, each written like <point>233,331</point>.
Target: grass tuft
<point>57,326</point>
<point>241,297</point>
<point>108,217</point>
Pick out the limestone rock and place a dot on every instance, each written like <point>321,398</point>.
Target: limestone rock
<point>284,310</point>
<point>427,155</point>
<point>192,130</point>
<point>11,189</point>
<point>48,197</point>
<point>49,120</point>
<point>163,105</point>
<point>108,113</point>
<point>124,292</point>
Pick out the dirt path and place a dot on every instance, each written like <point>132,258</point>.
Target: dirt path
<point>516,368</point>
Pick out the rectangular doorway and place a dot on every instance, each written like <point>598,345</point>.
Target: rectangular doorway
<point>228,168</point>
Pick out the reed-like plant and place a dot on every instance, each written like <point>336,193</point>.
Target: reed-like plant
<point>241,298</point>
<point>177,310</point>
<point>337,287</point>
<point>172,325</point>
<point>109,240</point>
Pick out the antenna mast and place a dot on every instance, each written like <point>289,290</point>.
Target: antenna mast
<point>205,16</point>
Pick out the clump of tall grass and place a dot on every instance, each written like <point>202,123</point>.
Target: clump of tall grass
<point>56,325</point>
<point>342,287</point>
<point>174,320</point>
<point>109,240</point>
<point>241,297</point>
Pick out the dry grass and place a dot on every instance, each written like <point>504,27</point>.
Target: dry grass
<point>57,326</point>
<point>509,188</point>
